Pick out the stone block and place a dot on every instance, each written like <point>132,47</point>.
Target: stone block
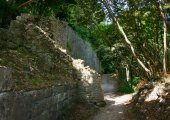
<point>5,78</point>
<point>41,104</point>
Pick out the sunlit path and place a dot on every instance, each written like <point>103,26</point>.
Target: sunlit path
<point>114,110</point>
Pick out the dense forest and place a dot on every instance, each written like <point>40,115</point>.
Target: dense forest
<point>130,36</point>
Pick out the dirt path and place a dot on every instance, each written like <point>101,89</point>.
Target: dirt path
<point>114,110</point>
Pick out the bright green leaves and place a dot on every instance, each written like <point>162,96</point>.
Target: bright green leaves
<point>85,12</point>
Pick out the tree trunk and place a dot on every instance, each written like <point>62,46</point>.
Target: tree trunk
<point>127,73</point>
<point>106,4</point>
<point>131,75</point>
<point>165,56</point>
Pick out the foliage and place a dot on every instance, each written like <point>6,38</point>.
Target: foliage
<point>125,88</point>
<point>124,85</point>
<point>37,80</point>
<point>135,80</point>
<point>8,11</point>
<point>140,20</point>
<point>106,57</point>
<point>101,36</point>
<point>86,12</point>
<point>76,12</point>
<point>57,8</point>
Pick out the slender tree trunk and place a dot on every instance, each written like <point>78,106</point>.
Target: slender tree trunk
<point>106,4</point>
<point>165,55</point>
<point>131,75</point>
<point>127,73</point>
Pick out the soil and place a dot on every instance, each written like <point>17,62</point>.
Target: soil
<point>80,111</point>
<point>116,108</point>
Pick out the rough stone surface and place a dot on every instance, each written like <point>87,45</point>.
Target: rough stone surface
<point>33,56</point>
<point>152,101</point>
<point>43,104</point>
<point>151,91</point>
<point>62,34</point>
<point>89,84</point>
<point>38,80</point>
<point>5,78</point>
<point>69,40</point>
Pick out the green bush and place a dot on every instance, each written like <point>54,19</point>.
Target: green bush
<point>135,81</point>
<point>106,57</point>
<point>125,88</point>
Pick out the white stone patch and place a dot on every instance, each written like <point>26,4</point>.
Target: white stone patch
<point>154,95</point>
<point>89,82</point>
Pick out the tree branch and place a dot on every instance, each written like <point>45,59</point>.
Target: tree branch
<point>26,3</point>
<point>106,4</point>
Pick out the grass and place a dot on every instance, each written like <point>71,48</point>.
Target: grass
<point>36,81</point>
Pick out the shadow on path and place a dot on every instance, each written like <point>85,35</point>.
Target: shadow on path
<point>114,110</point>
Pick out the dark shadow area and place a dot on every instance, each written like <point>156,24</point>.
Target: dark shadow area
<point>152,110</point>
<point>80,111</point>
<point>145,107</point>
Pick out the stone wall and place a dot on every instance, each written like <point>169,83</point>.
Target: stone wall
<point>38,81</point>
<point>42,104</point>
<point>89,84</point>
<point>70,40</point>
